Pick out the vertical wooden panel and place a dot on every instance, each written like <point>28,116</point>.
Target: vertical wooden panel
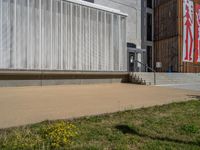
<point>165,36</point>
<point>169,36</point>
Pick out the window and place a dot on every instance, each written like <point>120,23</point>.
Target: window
<point>149,27</point>
<point>149,57</point>
<point>149,3</point>
<point>131,45</point>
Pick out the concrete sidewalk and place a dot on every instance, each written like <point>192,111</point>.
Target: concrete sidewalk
<point>20,106</point>
<point>186,86</point>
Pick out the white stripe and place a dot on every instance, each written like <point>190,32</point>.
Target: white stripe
<point>61,39</point>
<point>40,8</point>
<point>97,53</point>
<point>1,31</point>
<point>105,56</point>
<point>112,49</point>
<point>80,41</point>
<point>28,35</point>
<point>89,40</point>
<point>6,55</point>
<point>71,46</point>
<point>76,35</point>
<point>51,52</point>
<point>120,49</point>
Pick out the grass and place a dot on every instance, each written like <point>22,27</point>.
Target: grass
<point>174,126</point>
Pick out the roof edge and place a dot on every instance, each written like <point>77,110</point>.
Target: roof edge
<point>97,6</point>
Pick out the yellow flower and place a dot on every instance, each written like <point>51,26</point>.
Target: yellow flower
<point>60,134</point>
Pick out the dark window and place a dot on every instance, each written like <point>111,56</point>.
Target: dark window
<point>149,57</point>
<point>149,3</point>
<point>149,27</point>
<point>131,45</point>
<point>132,63</point>
<point>91,1</point>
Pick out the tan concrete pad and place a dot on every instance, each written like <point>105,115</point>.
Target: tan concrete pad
<point>25,105</point>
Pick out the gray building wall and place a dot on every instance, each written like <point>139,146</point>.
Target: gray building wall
<point>133,9</point>
<point>144,11</point>
<point>136,22</point>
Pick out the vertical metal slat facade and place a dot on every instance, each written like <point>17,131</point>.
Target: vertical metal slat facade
<point>60,35</point>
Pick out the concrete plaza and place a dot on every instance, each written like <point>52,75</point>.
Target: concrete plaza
<point>26,105</point>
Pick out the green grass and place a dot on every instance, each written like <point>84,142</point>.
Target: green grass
<point>173,126</point>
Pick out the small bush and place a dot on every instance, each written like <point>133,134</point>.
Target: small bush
<point>59,134</point>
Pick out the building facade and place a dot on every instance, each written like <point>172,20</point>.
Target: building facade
<point>65,35</point>
<point>133,9</point>
<point>48,42</point>
<point>139,29</point>
<point>72,39</point>
<point>75,39</point>
<point>147,23</point>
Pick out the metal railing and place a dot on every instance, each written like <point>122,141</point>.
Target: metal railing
<point>147,67</point>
